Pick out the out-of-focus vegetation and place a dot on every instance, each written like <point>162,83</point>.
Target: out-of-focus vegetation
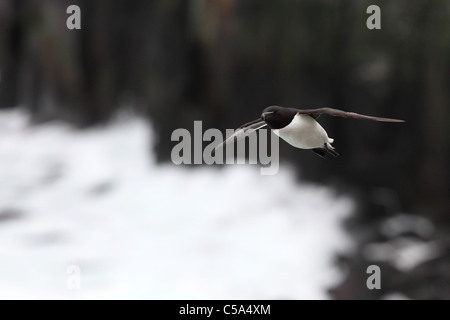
<point>223,61</point>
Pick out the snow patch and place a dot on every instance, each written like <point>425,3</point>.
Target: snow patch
<point>97,199</point>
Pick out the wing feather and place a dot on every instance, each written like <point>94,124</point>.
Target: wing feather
<point>243,131</point>
<point>344,114</point>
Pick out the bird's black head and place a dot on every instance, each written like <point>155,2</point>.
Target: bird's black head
<point>278,117</point>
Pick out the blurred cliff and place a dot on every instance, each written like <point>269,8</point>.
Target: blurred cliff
<point>223,61</point>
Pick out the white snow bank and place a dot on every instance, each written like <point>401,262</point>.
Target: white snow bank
<point>97,199</point>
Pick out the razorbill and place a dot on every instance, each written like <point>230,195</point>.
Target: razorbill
<point>299,127</point>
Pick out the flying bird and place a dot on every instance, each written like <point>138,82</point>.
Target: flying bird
<point>299,127</point>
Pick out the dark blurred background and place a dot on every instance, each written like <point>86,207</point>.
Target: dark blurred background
<point>223,61</point>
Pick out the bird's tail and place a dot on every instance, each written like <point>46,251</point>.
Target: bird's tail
<point>332,152</point>
<point>330,149</point>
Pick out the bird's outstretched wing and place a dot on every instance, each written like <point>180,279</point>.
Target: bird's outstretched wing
<point>243,131</point>
<point>339,113</point>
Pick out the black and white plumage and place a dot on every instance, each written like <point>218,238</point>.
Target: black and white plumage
<point>299,127</point>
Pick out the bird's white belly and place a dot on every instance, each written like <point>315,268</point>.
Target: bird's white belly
<point>304,132</point>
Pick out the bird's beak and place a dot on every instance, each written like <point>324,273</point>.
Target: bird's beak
<point>263,116</point>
